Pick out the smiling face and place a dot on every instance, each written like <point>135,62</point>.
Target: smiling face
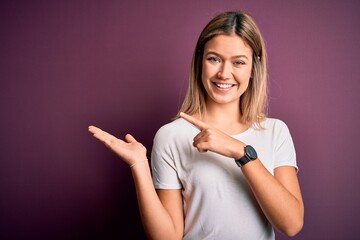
<point>226,69</point>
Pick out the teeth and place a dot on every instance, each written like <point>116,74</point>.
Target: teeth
<point>223,85</point>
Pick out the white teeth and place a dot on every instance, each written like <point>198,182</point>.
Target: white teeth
<point>223,85</point>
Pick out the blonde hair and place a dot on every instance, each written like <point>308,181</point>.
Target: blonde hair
<point>253,102</point>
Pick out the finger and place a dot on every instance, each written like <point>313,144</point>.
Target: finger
<point>202,136</point>
<point>196,122</point>
<point>129,138</point>
<point>202,147</point>
<point>93,129</point>
<point>103,136</point>
<point>98,133</point>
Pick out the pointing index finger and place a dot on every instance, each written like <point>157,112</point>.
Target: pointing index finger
<point>196,122</point>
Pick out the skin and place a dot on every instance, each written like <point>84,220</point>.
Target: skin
<point>227,61</point>
<point>161,211</point>
<point>227,64</point>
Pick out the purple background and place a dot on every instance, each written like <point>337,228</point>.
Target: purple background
<point>124,65</point>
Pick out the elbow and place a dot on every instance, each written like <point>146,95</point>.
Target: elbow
<point>293,229</point>
<point>292,232</point>
<point>294,224</point>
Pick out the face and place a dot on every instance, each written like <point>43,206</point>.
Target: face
<point>227,65</point>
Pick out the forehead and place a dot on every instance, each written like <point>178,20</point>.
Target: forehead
<point>228,45</point>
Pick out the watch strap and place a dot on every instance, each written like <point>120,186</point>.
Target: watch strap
<point>242,161</point>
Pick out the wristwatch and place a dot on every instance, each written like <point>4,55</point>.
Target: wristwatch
<point>250,154</point>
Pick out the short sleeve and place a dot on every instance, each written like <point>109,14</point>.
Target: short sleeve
<point>285,154</point>
<point>164,171</point>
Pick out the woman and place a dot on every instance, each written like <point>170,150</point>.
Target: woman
<point>200,191</point>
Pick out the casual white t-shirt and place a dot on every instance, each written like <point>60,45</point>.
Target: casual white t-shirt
<point>218,202</point>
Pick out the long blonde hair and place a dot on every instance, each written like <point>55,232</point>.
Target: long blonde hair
<point>253,102</point>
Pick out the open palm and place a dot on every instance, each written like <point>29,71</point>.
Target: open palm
<point>130,150</point>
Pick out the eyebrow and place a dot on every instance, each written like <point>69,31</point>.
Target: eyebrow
<point>219,55</point>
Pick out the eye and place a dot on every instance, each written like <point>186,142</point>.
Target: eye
<point>239,63</point>
<point>213,59</point>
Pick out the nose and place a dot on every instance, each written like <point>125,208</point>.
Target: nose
<point>224,71</point>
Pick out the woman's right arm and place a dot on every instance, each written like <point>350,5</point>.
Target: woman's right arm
<point>161,211</point>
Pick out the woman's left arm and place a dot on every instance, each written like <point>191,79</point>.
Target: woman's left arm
<point>278,195</point>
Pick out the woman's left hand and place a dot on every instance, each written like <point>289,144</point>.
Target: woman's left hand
<point>214,140</point>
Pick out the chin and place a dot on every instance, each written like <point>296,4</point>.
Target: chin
<point>224,101</point>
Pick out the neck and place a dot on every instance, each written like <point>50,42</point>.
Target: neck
<point>225,117</point>
<point>222,114</point>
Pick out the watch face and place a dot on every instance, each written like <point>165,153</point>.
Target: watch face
<point>250,152</point>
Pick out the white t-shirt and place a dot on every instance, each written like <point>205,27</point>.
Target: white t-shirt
<point>218,202</point>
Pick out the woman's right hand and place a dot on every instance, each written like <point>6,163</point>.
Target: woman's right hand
<point>162,215</point>
<point>130,150</point>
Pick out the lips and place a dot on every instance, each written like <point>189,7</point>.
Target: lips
<point>223,85</point>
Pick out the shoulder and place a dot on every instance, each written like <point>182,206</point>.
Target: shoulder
<point>273,123</point>
<point>276,128</point>
<point>176,129</point>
